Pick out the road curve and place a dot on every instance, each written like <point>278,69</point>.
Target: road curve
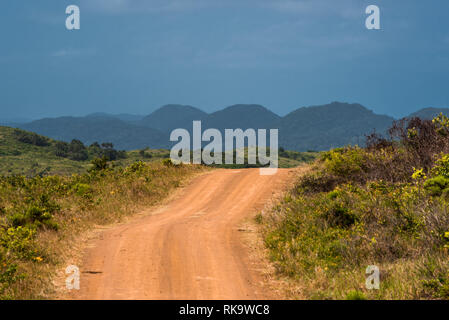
<point>189,249</point>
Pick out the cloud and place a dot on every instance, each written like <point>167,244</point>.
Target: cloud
<point>285,45</point>
<point>446,40</point>
<point>343,8</point>
<point>107,5</point>
<point>307,37</point>
<point>146,6</point>
<point>72,53</point>
<point>312,29</point>
<point>46,17</point>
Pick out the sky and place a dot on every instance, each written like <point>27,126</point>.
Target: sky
<point>133,56</point>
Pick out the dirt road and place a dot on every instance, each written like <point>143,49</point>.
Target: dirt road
<point>192,248</point>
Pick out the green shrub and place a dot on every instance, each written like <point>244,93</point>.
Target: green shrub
<point>441,123</point>
<point>357,207</point>
<point>33,217</point>
<point>34,213</point>
<point>340,216</point>
<point>99,164</point>
<point>441,167</point>
<point>345,163</point>
<point>435,186</point>
<point>9,275</point>
<point>83,190</point>
<point>136,167</point>
<point>355,295</point>
<point>61,149</point>
<point>318,181</point>
<point>435,278</point>
<point>31,138</point>
<point>353,226</point>
<point>168,163</point>
<point>18,242</point>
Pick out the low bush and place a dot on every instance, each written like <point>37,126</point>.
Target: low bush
<point>31,138</point>
<point>385,205</point>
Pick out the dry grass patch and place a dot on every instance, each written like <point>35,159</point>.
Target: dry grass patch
<point>42,217</point>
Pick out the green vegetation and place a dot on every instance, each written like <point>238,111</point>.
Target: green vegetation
<point>291,159</point>
<point>383,205</point>
<point>287,159</point>
<point>311,128</point>
<point>329,126</point>
<point>50,191</point>
<point>41,216</point>
<point>30,154</point>
<point>123,134</point>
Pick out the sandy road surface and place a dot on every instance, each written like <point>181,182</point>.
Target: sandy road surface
<point>191,248</point>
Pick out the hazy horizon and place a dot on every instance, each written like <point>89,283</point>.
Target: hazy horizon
<point>25,119</point>
<point>133,56</point>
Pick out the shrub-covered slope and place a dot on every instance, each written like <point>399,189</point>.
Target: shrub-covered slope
<point>40,217</point>
<point>386,205</point>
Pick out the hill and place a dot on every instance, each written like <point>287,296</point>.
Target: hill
<point>307,128</point>
<point>170,117</point>
<point>126,117</point>
<point>91,129</point>
<point>429,113</point>
<point>329,126</point>
<point>173,116</point>
<point>241,116</point>
<point>30,154</point>
<point>17,157</point>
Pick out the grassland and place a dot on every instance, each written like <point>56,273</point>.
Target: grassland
<point>386,205</point>
<point>40,217</point>
<point>51,192</point>
<point>28,159</point>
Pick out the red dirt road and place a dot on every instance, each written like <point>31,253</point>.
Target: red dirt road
<point>189,249</point>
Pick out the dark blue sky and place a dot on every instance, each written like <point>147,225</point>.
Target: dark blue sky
<point>135,55</point>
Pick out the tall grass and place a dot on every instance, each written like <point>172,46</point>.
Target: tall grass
<point>41,216</point>
<point>385,205</point>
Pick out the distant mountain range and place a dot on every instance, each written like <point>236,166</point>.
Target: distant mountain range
<point>123,116</point>
<point>307,128</point>
<point>90,129</point>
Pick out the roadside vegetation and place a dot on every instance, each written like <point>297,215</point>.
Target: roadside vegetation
<point>384,205</point>
<point>29,154</point>
<point>287,159</point>
<point>41,216</point>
